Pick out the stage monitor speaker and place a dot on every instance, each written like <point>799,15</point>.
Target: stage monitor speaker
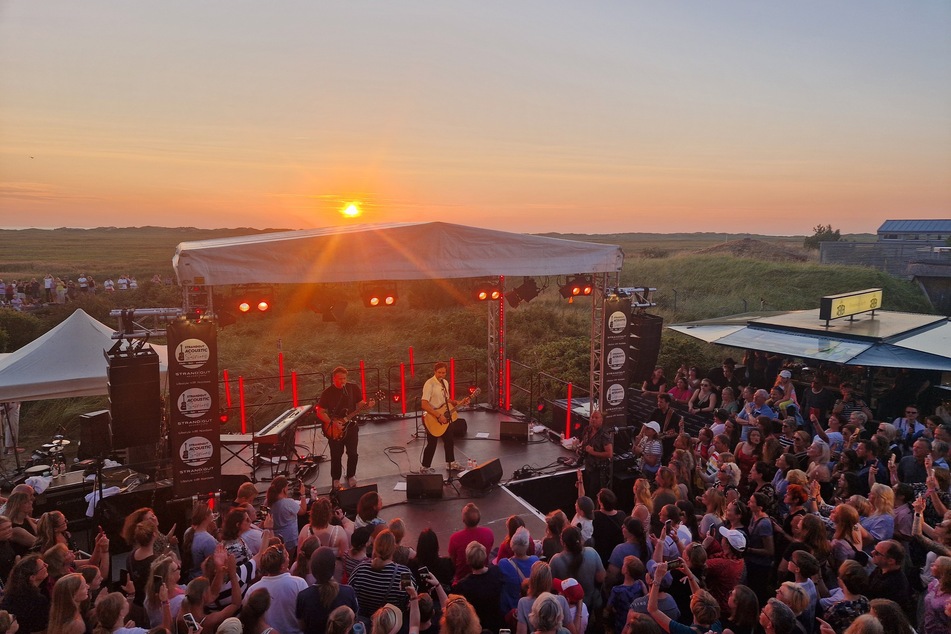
<point>135,398</point>
<point>484,476</point>
<point>645,332</point>
<point>347,499</point>
<point>424,486</point>
<point>95,435</point>
<point>512,429</point>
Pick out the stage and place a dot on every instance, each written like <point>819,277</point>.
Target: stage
<point>389,451</point>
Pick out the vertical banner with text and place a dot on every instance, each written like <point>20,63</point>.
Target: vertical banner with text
<point>615,361</point>
<point>194,427</point>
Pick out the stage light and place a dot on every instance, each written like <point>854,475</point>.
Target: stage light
<point>247,300</point>
<point>374,296</point>
<point>577,286</point>
<point>525,293</point>
<point>487,291</point>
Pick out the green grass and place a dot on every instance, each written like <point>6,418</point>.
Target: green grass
<point>547,334</point>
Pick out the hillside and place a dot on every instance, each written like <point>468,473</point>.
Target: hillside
<point>547,333</point>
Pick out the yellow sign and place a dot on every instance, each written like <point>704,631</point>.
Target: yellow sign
<point>848,304</point>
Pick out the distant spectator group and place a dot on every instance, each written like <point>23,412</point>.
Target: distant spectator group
<point>22,294</point>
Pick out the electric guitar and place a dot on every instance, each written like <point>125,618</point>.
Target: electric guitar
<point>437,429</point>
<point>337,428</point>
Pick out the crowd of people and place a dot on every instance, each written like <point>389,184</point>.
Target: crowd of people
<point>791,511</point>
<point>21,294</point>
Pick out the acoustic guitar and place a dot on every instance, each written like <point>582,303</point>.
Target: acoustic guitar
<point>337,428</point>
<point>434,427</point>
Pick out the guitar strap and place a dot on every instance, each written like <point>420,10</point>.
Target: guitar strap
<point>344,394</point>
<point>445,393</point>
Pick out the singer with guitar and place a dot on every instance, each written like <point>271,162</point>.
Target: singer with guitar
<point>440,409</point>
<point>336,402</point>
<point>596,453</point>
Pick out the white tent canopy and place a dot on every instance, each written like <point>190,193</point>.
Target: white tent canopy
<point>433,250</point>
<point>66,361</point>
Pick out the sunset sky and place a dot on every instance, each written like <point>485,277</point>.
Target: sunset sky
<point>593,117</point>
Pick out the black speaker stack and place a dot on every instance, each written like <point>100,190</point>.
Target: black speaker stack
<point>135,397</point>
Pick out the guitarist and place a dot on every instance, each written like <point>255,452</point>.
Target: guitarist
<point>338,400</point>
<point>434,401</point>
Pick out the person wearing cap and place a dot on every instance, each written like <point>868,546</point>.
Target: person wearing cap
<point>784,380</point>
<point>669,420</point>
<point>725,565</point>
<point>574,595</point>
<point>597,452</point>
<point>649,448</point>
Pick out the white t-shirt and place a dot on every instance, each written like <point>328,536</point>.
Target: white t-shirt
<point>283,589</point>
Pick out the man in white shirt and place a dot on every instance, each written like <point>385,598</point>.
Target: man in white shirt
<point>283,588</point>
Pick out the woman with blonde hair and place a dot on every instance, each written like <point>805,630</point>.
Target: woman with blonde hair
<point>642,494</point>
<point>879,525</point>
<point>340,620</point>
<point>459,617</point>
<point>937,597</point>
<point>389,619</point>
<point>111,613</point>
<point>820,454</point>
<point>18,508</point>
<point>68,593</point>
<point>546,615</point>
<point>162,596</point>
<point>714,503</point>
<point>539,583</point>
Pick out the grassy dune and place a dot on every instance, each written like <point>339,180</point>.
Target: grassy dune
<point>547,334</point>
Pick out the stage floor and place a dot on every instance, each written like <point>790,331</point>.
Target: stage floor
<point>389,451</point>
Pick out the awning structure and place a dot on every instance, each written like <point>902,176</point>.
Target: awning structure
<point>65,362</point>
<point>415,251</point>
<point>886,339</point>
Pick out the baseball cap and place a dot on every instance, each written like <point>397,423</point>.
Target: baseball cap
<point>569,588</point>
<point>230,625</point>
<point>786,374</point>
<point>653,425</point>
<point>736,538</point>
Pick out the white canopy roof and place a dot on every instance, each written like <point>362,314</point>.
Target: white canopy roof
<point>66,361</point>
<point>433,250</point>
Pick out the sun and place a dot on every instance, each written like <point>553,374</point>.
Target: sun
<point>351,210</point>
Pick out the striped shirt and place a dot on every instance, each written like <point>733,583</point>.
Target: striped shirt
<point>375,588</point>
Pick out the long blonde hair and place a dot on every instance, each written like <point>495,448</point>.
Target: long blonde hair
<point>642,493</point>
<point>63,607</point>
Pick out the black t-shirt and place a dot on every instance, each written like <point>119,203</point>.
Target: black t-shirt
<point>483,592</point>
<point>32,610</point>
<point>338,402</point>
<point>823,401</point>
<point>607,533</point>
